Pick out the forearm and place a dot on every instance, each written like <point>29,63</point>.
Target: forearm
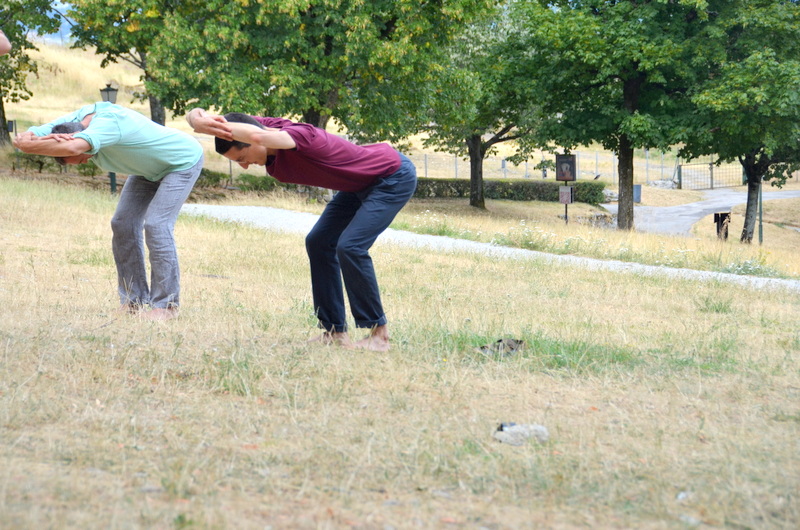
<point>47,146</point>
<point>269,138</point>
<point>47,128</point>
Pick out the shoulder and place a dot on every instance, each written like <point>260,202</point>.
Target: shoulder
<point>276,123</point>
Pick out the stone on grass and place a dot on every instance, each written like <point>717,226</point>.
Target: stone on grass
<point>518,434</point>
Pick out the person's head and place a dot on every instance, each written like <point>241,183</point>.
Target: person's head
<point>242,153</point>
<point>70,127</point>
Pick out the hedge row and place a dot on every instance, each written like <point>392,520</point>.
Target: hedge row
<point>245,181</point>
<point>514,190</point>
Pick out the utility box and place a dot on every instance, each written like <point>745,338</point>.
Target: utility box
<point>637,193</point>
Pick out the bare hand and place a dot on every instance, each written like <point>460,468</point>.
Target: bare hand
<point>212,124</point>
<point>20,139</point>
<point>60,137</point>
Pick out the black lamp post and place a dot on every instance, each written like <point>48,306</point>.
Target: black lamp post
<point>109,94</point>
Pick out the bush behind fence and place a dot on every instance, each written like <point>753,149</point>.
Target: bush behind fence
<point>588,191</point>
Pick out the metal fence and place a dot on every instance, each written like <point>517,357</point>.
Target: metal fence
<point>600,165</point>
<point>648,168</point>
<point>708,176</point>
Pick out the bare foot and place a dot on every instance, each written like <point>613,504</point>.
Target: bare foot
<point>378,340</point>
<point>129,309</point>
<point>161,313</point>
<point>337,338</point>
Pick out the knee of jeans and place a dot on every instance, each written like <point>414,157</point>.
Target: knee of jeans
<point>348,251</point>
<point>157,230</point>
<point>122,226</point>
<point>316,244</point>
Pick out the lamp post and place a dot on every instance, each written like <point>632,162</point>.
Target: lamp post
<point>109,94</point>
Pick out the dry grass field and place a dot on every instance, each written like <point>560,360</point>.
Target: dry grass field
<point>670,403</point>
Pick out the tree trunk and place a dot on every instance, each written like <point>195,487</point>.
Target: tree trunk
<point>5,138</point>
<point>625,170</point>
<point>476,152</point>
<point>756,165</point>
<point>751,212</point>
<point>157,112</point>
<point>316,118</point>
<point>631,90</point>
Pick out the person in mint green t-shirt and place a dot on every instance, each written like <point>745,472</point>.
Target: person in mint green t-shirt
<point>162,165</point>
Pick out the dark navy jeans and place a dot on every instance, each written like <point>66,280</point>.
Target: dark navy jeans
<point>338,248</point>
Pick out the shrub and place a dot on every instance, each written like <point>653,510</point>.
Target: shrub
<point>87,170</point>
<point>248,182</point>
<point>211,179</point>
<point>514,190</point>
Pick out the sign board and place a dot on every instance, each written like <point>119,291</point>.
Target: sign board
<point>566,168</point>
<point>566,194</point>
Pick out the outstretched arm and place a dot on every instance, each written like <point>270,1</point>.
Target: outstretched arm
<point>216,125</point>
<point>267,137</point>
<point>52,145</point>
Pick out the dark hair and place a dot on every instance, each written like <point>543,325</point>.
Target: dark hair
<point>222,146</point>
<point>69,127</point>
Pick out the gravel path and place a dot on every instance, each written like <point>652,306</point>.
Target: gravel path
<point>299,222</point>
<point>678,220</point>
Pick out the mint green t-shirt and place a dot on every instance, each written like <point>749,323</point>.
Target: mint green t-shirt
<point>124,141</point>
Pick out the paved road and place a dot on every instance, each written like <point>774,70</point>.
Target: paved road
<point>678,220</point>
<point>300,223</point>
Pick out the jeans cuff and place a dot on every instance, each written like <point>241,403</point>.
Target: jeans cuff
<point>332,328</point>
<point>371,323</point>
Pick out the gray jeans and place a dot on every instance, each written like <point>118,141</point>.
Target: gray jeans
<point>152,207</point>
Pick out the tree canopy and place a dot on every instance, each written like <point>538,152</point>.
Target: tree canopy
<point>474,100</point>
<point>365,63</point>
<point>748,106</point>
<point>612,72</point>
<point>18,18</point>
<point>123,30</point>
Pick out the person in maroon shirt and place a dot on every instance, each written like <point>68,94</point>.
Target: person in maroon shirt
<point>373,182</point>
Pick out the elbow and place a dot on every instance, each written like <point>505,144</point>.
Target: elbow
<point>255,138</point>
<point>74,148</point>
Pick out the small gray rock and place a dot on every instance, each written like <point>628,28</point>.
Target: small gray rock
<point>518,434</point>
